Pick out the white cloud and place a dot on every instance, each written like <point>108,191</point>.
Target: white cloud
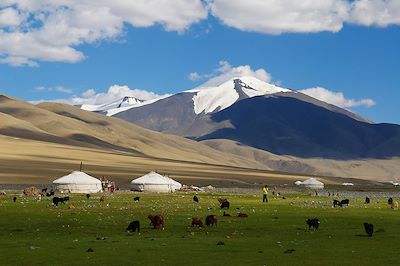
<point>55,89</point>
<point>226,72</point>
<point>114,93</point>
<point>18,61</point>
<point>9,17</point>
<point>281,16</point>
<point>376,12</point>
<point>194,76</point>
<point>51,30</point>
<point>336,98</point>
<point>278,16</point>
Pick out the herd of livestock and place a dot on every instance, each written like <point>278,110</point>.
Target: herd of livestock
<point>157,220</point>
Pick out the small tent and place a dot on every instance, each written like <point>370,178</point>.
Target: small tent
<point>154,182</point>
<point>312,183</point>
<point>348,184</point>
<point>78,182</point>
<point>298,183</point>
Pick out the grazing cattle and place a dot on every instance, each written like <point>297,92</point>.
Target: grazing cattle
<point>49,194</point>
<point>344,202</point>
<point>369,229</point>
<point>195,199</point>
<point>313,223</point>
<point>71,206</point>
<point>14,199</point>
<point>242,215</point>
<point>211,220</point>
<point>395,205</point>
<point>133,226</point>
<point>88,196</point>
<point>221,200</point>
<point>136,199</point>
<point>225,205</point>
<point>367,200</point>
<point>102,198</point>
<point>390,201</point>
<point>197,222</point>
<point>336,203</point>
<point>66,198</point>
<point>57,200</point>
<point>44,190</point>
<point>156,221</point>
<point>226,214</point>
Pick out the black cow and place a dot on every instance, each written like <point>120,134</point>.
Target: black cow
<point>313,223</point>
<point>369,229</point>
<point>225,205</point>
<point>44,190</point>
<point>88,196</point>
<point>66,198</point>
<point>49,194</point>
<point>133,226</point>
<point>14,199</point>
<point>345,202</point>
<point>390,201</point>
<point>136,199</point>
<point>336,203</point>
<point>195,199</point>
<point>57,200</point>
<point>367,200</point>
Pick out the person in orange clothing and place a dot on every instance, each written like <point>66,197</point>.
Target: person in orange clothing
<point>265,193</point>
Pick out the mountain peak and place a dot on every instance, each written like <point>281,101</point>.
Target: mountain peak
<point>124,102</point>
<point>216,98</point>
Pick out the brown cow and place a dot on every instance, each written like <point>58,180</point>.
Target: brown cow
<point>221,200</point>
<point>211,220</point>
<point>157,221</point>
<point>242,215</point>
<point>197,222</point>
<point>102,198</point>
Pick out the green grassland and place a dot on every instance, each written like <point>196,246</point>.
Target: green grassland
<point>36,233</point>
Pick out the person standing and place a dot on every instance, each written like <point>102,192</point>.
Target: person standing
<point>265,193</point>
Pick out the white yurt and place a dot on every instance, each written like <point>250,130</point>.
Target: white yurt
<point>348,184</point>
<point>298,183</point>
<point>154,182</point>
<point>78,182</point>
<point>312,183</point>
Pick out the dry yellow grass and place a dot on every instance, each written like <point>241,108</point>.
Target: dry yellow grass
<point>40,143</point>
<point>368,169</point>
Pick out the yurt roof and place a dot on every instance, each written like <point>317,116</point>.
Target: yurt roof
<point>311,181</point>
<point>298,182</point>
<point>347,184</point>
<point>154,178</point>
<point>77,177</point>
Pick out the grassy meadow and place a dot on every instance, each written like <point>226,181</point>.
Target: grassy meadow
<point>37,233</point>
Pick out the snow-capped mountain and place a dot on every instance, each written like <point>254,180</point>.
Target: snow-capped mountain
<point>253,113</point>
<point>211,99</point>
<point>118,106</point>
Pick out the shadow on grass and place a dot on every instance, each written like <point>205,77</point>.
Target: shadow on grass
<point>359,235</point>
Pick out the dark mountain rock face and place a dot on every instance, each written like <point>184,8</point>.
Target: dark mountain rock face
<point>288,126</point>
<point>283,123</point>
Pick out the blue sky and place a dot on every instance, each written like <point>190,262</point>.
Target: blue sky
<point>357,58</point>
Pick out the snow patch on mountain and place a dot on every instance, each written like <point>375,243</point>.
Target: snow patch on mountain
<point>212,99</point>
<point>121,105</point>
